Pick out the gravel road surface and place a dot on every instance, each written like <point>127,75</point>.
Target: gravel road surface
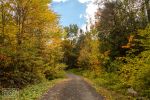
<point>74,88</point>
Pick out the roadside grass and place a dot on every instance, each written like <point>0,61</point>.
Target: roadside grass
<point>107,85</point>
<point>35,92</point>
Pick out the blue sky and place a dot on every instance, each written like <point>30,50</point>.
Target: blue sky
<point>71,12</point>
<point>80,12</point>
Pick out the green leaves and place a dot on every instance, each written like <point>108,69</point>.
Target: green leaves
<point>89,55</point>
<point>136,72</point>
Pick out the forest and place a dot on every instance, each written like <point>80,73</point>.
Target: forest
<point>113,54</point>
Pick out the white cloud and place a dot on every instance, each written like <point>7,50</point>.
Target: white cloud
<point>83,27</point>
<point>59,1</point>
<point>91,9</point>
<point>90,12</point>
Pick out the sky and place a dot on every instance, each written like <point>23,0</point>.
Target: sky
<point>75,11</point>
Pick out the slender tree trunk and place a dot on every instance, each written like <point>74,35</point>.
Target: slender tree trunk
<point>3,19</point>
<point>147,4</point>
<point>20,23</point>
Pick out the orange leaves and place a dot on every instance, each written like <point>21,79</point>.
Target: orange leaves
<point>4,57</point>
<point>129,44</point>
<point>5,60</point>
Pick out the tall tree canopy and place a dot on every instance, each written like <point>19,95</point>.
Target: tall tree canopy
<point>26,27</point>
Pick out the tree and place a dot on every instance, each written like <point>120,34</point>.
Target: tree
<point>135,72</point>
<point>117,22</point>
<point>70,45</point>
<point>71,30</point>
<point>89,55</point>
<point>147,6</point>
<point>70,53</point>
<point>27,28</point>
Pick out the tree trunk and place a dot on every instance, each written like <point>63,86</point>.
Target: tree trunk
<point>3,20</point>
<point>147,4</point>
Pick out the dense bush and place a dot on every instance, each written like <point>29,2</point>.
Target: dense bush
<point>136,71</point>
<point>55,71</point>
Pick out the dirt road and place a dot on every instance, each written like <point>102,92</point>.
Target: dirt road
<point>75,88</point>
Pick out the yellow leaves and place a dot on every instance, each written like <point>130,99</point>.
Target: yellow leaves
<point>54,42</point>
<point>129,44</point>
<point>89,54</point>
<point>54,28</point>
<point>39,15</point>
<point>130,38</point>
<point>107,53</point>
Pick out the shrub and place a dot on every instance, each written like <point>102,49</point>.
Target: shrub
<point>55,72</point>
<point>136,72</point>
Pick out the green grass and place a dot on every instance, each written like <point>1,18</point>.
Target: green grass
<point>34,92</point>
